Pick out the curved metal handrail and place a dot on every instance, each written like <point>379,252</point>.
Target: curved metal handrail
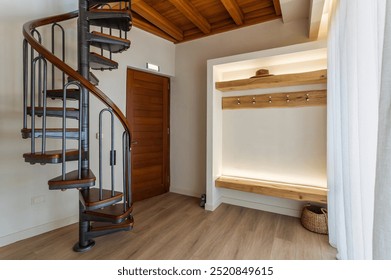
<point>31,25</point>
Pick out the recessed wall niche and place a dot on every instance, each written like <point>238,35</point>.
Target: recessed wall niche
<point>283,144</point>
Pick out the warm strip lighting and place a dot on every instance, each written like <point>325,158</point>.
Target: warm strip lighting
<point>153,67</point>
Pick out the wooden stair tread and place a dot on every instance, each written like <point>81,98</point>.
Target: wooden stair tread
<point>51,109</point>
<point>108,13</point>
<point>72,180</point>
<point>99,62</point>
<point>55,112</point>
<point>108,36</point>
<point>91,197</point>
<point>113,18</point>
<point>276,189</point>
<point>58,93</point>
<point>50,129</point>
<point>54,156</point>
<point>115,212</point>
<point>100,226</point>
<point>94,2</point>
<point>51,133</point>
<point>108,42</point>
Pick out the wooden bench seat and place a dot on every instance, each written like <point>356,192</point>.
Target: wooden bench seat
<point>276,189</point>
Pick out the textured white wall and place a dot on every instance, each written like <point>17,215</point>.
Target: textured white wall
<point>277,144</point>
<point>189,87</point>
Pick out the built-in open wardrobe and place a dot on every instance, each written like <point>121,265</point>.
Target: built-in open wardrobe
<point>266,136</point>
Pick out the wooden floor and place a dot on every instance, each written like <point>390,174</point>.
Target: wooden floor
<point>173,226</point>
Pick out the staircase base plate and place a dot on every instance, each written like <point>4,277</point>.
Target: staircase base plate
<point>82,249</point>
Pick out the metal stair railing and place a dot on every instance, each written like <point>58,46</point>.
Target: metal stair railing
<point>54,25</point>
<point>66,68</point>
<point>64,129</point>
<point>45,56</point>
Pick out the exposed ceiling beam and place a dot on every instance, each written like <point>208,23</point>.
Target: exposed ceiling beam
<point>192,14</point>
<point>142,24</point>
<point>277,7</point>
<point>234,10</point>
<point>315,18</point>
<point>151,15</point>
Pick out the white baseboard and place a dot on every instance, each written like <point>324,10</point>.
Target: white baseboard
<point>185,192</point>
<point>262,206</point>
<point>213,206</point>
<point>27,233</point>
<point>281,206</point>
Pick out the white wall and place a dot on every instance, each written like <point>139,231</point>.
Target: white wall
<point>189,88</point>
<point>281,144</point>
<point>22,183</point>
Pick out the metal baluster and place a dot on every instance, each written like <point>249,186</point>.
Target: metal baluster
<point>128,175</point>
<point>25,82</point>
<point>128,8</point>
<point>100,156</point>
<point>120,8</point>
<point>101,49</point>
<point>33,32</point>
<point>112,151</point>
<point>124,169</point>
<point>53,51</point>
<point>33,79</point>
<point>32,105</point>
<point>64,125</point>
<point>101,29</point>
<point>45,74</point>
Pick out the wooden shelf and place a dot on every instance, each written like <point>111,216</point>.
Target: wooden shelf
<point>276,189</point>
<point>314,77</point>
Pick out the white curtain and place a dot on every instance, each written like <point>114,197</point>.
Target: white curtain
<point>355,46</point>
<point>382,213</point>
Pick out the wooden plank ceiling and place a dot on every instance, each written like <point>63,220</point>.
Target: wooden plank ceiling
<point>184,20</point>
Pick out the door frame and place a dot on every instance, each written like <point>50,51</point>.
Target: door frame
<point>166,121</point>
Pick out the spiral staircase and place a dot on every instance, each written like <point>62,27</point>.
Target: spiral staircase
<point>57,112</point>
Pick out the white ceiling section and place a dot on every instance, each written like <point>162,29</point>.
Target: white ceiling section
<point>294,9</point>
<point>315,18</point>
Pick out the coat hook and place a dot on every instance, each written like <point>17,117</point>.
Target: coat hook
<point>287,99</point>
<point>254,101</point>
<point>270,99</point>
<point>307,97</point>
<point>239,101</point>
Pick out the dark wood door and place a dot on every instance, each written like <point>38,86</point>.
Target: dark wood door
<point>147,111</point>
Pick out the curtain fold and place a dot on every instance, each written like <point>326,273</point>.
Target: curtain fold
<point>354,66</point>
<point>382,214</point>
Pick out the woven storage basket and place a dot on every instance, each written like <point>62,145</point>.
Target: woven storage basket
<point>314,219</point>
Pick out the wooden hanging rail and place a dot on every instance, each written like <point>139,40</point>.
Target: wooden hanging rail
<point>276,100</point>
<point>276,189</point>
<point>314,77</point>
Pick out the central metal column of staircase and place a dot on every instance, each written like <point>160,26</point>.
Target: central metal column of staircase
<point>101,210</point>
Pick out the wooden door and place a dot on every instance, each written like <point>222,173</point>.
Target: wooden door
<point>147,111</point>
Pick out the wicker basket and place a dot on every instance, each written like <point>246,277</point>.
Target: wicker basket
<point>314,219</point>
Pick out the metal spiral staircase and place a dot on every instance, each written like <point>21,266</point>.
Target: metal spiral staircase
<point>57,112</point>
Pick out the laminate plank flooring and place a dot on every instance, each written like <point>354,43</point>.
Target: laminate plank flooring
<point>173,226</point>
